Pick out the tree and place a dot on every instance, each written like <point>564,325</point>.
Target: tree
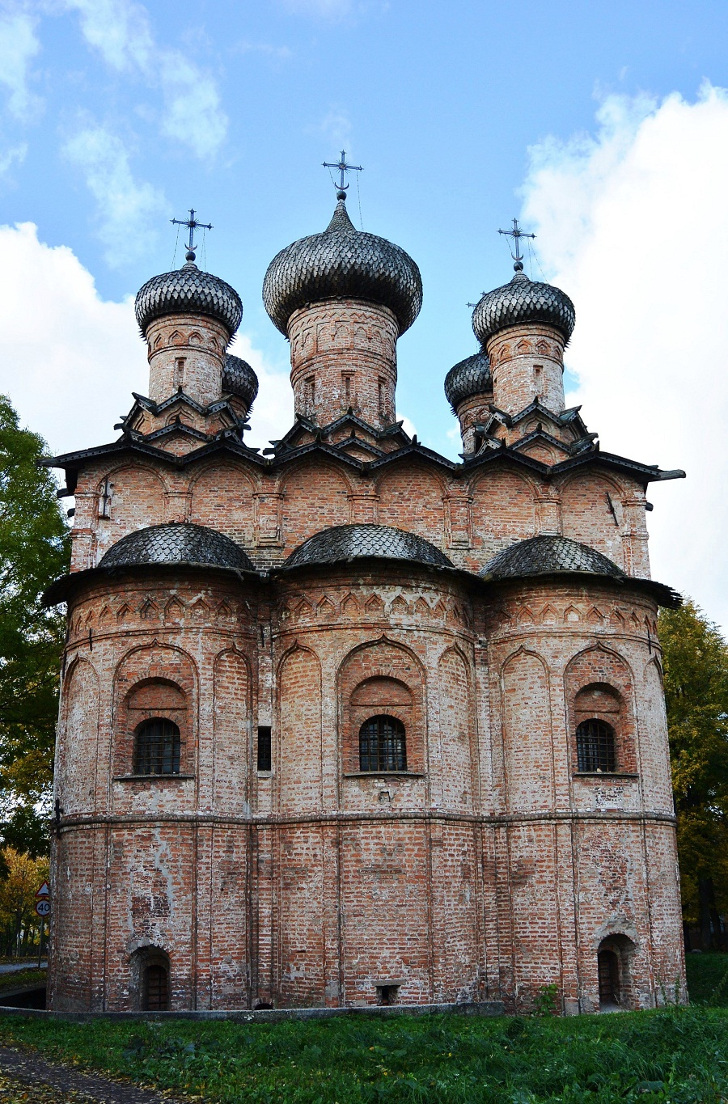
<point>19,923</point>
<point>34,549</point>
<point>696,694</point>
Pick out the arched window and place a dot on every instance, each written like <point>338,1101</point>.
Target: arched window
<point>157,747</point>
<point>382,744</point>
<point>595,746</point>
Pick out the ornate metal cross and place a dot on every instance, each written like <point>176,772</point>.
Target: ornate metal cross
<point>343,168</point>
<point>516,233</point>
<point>191,223</point>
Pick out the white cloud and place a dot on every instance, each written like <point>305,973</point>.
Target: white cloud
<point>125,205</point>
<point>632,223</point>
<point>336,129</point>
<point>192,113</point>
<point>12,156</point>
<point>18,46</point>
<point>71,359</point>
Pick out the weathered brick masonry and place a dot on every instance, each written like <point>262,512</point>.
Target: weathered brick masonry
<point>351,723</point>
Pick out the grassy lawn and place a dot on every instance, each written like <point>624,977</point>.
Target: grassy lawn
<point>676,1055</point>
<point>20,978</point>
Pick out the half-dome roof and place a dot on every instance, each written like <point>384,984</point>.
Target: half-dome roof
<point>552,555</point>
<point>177,543</point>
<point>188,290</point>
<point>523,300</point>
<point>342,263</point>
<point>468,377</point>
<point>238,378</point>
<point>549,555</point>
<point>350,542</point>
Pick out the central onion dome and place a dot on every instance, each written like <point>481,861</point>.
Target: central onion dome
<point>523,300</point>
<point>342,263</point>
<point>177,543</point>
<point>238,378</point>
<point>351,542</point>
<point>468,377</point>
<point>188,290</point>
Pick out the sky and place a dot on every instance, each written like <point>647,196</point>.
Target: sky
<point>602,126</point>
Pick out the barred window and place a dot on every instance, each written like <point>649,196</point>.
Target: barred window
<point>157,747</point>
<point>382,745</point>
<point>595,746</point>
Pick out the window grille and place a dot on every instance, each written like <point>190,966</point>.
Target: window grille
<point>157,748</point>
<point>382,745</point>
<point>156,988</point>
<point>595,747</point>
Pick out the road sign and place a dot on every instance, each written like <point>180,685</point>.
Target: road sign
<point>43,907</point>
<point>44,890</point>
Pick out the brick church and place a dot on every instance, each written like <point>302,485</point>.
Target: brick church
<point>345,722</point>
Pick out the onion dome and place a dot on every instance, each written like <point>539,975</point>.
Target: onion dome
<point>177,543</point>
<point>468,377</point>
<point>188,290</point>
<point>238,378</point>
<point>342,263</point>
<point>351,542</point>
<point>552,555</point>
<point>523,300</point>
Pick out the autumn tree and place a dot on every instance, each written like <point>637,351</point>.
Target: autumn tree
<point>34,546</point>
<point>696,695</point>
<point>20,926</point>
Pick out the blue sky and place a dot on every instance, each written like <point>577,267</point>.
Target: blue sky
<point>602,125</point>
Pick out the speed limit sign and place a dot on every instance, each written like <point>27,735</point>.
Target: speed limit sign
<point>43,907</point>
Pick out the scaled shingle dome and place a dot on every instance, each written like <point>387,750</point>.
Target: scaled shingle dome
<point>523,300</point>
<point>548,556</point>
<point>238,378</point>
<point>468,377</point>
<point>350,542</point>
<point>177,543</point>
<point>188,290</point>
<point>342,263</point>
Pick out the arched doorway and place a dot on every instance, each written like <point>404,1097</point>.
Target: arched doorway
<point>613,969</point>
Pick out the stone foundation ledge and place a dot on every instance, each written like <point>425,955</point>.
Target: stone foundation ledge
<point>270,1015</point>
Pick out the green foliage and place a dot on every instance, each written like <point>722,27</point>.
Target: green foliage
<point>696,695</point>
<point>674,1055</point>
<point>34,549</point>
<point>546,1000</point>
<point>707,979</point>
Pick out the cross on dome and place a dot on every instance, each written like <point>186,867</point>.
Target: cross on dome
<point>516,233</point>
<point>343,168</point>
<point>191,223</point>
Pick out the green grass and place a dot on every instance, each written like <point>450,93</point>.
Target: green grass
<point>708,979</point>
<point>20,978</point>
<point>674,1055</point>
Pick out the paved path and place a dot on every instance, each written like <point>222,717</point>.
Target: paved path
<point>24,1068</point>
<point>13,967</point>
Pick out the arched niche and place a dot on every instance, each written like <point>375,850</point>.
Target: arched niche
<point>527,733</point>
<point>298,757</point>
<point>315,497</point>
<point>381,678</point>
<point>77,755</point>
<point>457,730</point>
<point>599,685</point>
<point>154,681</point>
<point>222,498</point>
<point>592,513</point>
<point>503,510</point>
<point>411,498</point>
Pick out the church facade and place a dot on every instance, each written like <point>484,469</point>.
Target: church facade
<point>346,722</point>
